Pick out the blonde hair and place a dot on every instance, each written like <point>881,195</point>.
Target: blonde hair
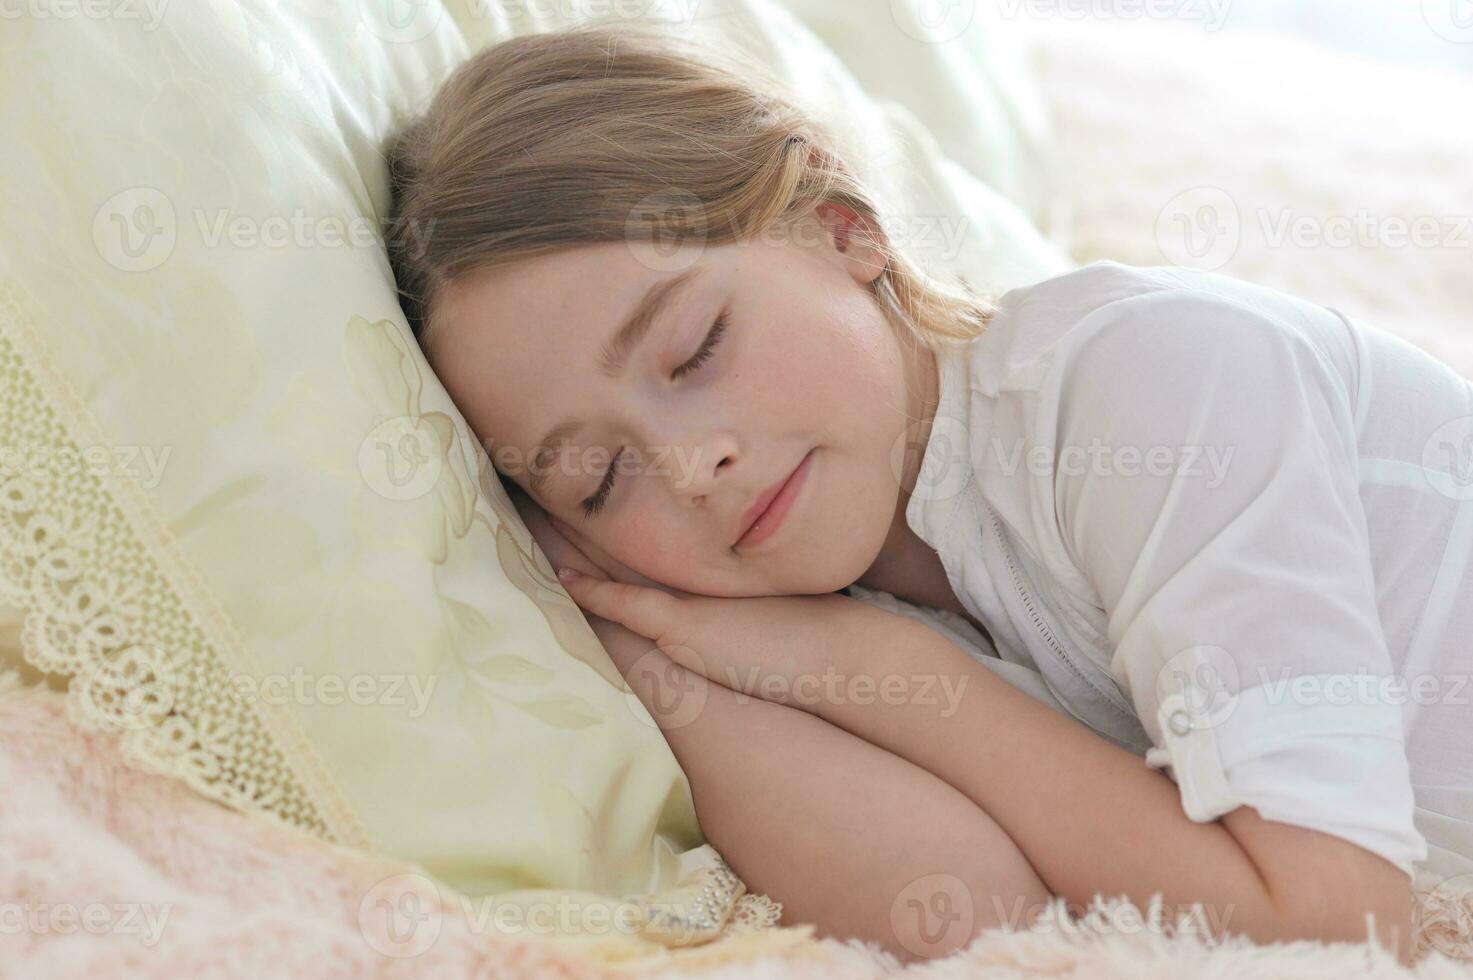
<point>599,134</point>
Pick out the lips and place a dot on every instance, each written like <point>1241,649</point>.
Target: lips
<point>772,506</point>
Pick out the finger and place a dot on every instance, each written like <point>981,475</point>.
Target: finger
<point>648,612</point>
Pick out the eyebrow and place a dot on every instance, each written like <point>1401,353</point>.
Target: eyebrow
<point>612,358</point>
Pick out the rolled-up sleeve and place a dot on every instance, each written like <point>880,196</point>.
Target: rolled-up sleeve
<point>1216,512</point>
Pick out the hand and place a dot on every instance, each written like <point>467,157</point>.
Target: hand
<point>786,649</point>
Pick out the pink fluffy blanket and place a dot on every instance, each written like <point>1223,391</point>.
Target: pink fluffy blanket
<point>110,872</point>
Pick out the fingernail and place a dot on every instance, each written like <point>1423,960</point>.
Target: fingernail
<point>566,574</point>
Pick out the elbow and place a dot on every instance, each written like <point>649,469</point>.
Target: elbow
<point>1370,908</point>
<point>1322,887</point>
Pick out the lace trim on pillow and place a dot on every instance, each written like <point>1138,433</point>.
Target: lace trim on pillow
<point>753,912</point>
<point>711,903</point>
<point>110,602</point>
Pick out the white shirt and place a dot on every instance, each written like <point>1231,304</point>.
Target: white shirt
<point>1231,530</point>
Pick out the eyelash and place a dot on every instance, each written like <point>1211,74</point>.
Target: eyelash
<point>594,504</point>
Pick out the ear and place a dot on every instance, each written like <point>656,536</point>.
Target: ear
<point>857,240</point>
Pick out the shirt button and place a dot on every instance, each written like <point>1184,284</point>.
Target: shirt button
<point>1180,722</point>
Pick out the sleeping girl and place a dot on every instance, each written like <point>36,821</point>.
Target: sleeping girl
<point>1227,528</point>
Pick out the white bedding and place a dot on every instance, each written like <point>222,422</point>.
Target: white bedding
<point>1303,139</point>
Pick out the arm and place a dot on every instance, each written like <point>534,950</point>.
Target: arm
<point>1092,819</point>
<point>790,803</point>
<point>1088,815</point>
<point>1225,585</point>
<point>844,834</point>
<point>1254,572</point>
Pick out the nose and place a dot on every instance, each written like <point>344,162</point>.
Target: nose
<point>699,464</point>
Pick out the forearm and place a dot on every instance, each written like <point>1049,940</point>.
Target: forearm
<point>846,835</point>
<point>1090,816</point>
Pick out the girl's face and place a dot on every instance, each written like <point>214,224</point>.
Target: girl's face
<point>746,360</point>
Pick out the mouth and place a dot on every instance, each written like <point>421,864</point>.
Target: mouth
<point>763,519</point>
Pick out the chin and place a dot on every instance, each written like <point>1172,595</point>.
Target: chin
<point>829,575</point>
<point>843,577</point>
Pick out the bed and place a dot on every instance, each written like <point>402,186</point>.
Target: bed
<point>120,867</point>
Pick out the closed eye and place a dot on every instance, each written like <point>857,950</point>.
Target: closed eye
<point>596,503</point>
<point>713,337</point>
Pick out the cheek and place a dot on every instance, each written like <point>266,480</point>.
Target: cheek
<point>782,370</point>
<point>841,354</point>
<point>672,562</point>
<point>835,387</point>
<point>638,528</point>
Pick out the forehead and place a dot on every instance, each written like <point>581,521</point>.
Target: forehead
<point>517,345</point>
<point>552,298</point>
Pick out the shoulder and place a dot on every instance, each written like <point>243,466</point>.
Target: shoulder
<point>1130,323</point>
<point>1108,293</point>
<point>1231,372</point>
<point>1187,332</point>
<point>1090,286</point>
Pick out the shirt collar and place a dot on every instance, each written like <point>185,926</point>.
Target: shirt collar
<point>946,470</point>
